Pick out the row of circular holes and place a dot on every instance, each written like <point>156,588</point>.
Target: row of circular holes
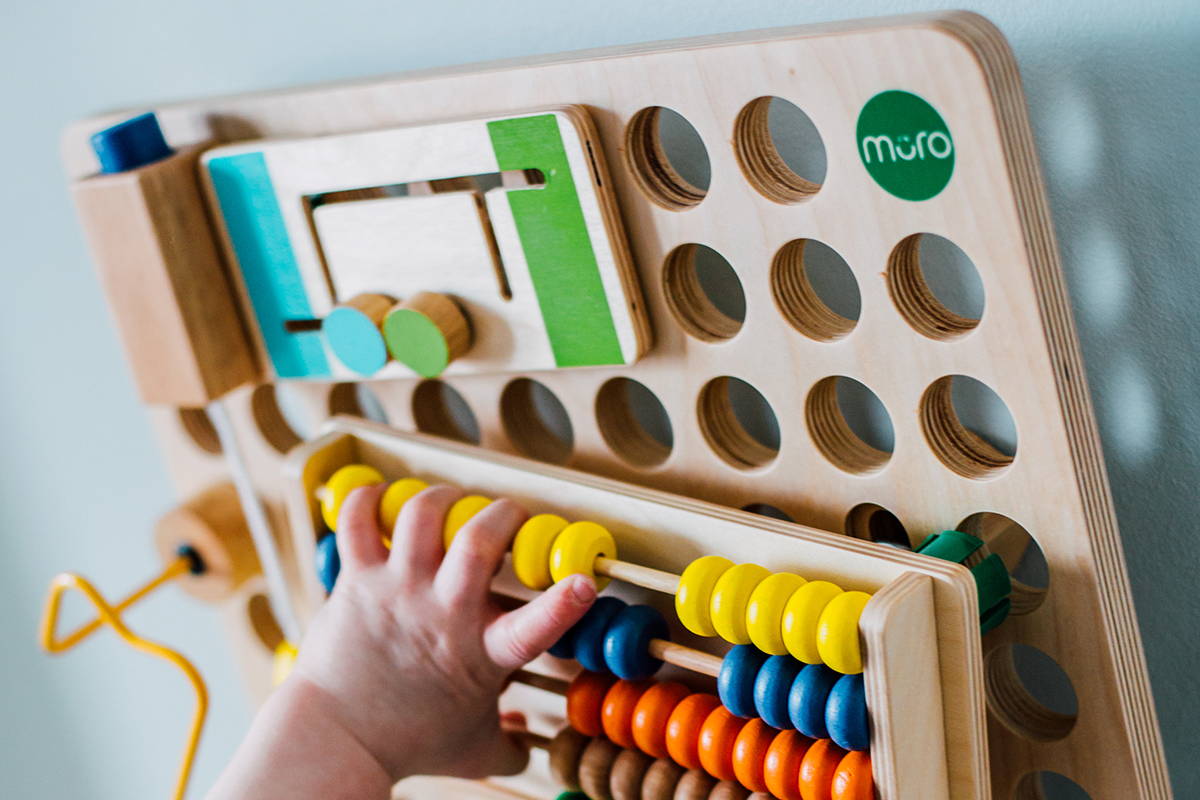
<point>1007,667</point>
<point>932,282</point>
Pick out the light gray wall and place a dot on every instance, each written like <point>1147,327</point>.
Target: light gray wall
<point>1113,92</point>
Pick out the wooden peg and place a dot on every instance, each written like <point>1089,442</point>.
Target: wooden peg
<point>353,332</point>
<point>212,526</point>
<point>427,332</point>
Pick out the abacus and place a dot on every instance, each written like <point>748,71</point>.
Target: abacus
<point>219,336</point>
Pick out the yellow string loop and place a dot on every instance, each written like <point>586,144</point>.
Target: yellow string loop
<point>109,615</point>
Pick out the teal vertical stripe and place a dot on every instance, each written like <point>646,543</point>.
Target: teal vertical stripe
<point>268,264</point>
<point>557,247</point>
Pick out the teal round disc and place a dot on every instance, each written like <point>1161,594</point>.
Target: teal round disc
<point>355,340</point>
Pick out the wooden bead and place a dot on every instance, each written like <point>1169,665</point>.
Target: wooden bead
<point>585,697</point>
<point>728,790</point>
<point>566,749</point>
<point>683,728</point>
<point>837,632</point>
<point>394,498</point>
<point>730,596</point>
<point>531,550</point>
<point>661,780</point>
<point>717,736</point>
<point>576,549</point>
<point>800,618</point>
<point>651,713</point>
<point>427,332</point>
<point>817,769</point>
<point>846,713</point>
<point>695,784</point>
<point>750,753</point>
<point>781,766</point>
<point>764,611</point>
<point>340,485</point>
<point>616,714</point>
<point>735,682</point>
<point>694,595</point>
<point>628,772</point>
<point>460,514</point>
<point>853,779</point>
<point>353,334</point>
<point>595,768</point>
<point>211,525</point>
<point>627,642</point>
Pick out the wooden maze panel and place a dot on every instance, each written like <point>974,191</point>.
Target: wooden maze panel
<point>904,346</point>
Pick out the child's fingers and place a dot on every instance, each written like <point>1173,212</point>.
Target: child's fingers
<point>518,637</point>
<point>417,539</point>
<point>359,540</point>
<point>476,552</point>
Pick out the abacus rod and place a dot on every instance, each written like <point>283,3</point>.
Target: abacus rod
<point>171,571</point>
<point>257,521</point>
<point>646,577</point>
<point>543,682</point>
<point>686,657</point>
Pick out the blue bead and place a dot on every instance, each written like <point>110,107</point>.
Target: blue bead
<point>772,688</point>
<point>627,642</point>
<point>846,714</point>
<point>589,633</point>
<point>565,646</point>
<point>806,701</point>
<point>134,143</point>
<point>329,563</point>
<point>735,683</point>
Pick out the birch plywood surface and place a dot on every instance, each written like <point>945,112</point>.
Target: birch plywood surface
<point>903,346</point>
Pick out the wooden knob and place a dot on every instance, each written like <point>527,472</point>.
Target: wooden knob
<point>212,526</point>
<point>566,749</point>
<point>595,768</point>
<point>352,331</point>
<point>427,332</point>
<point>628,772</point>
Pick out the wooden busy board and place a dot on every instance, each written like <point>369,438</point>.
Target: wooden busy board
<point>977,183</point>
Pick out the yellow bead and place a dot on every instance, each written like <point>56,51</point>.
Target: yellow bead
<point>837,632</point>
<point>800,618</point>
<point>576,549</point>
<point>394,499</point>
<point>340,485</point>
<point>764,612</point>
<point>729,598</point>
<point>459,513</point>
<point>531,550</point>
<point>694,595</point>
<point>284,660</point>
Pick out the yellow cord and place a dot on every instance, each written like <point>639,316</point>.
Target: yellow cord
<point>110,615</point>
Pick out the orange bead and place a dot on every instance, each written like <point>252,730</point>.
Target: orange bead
<point>717,736</point>
<point>853,780</point>
<point>750,754</point>
<point>683,728</point>
<point>616,715</point>
<point>818,768</point>
<point>781,766</point>
<point>585,697</point>
<point>651,713</point>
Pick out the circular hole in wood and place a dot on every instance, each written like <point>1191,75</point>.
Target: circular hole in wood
<point>935,286</point>
<point>849,424</point>
<point>536,421</point>
<point>968,426</point>
<point>1048,785</point>
<point>1021,554</point>
<point>200,430</point>
<point>439,409</point>
<point>875,523</point>
<point>667,158</point>
<point>738,423</point>
<point>297,412</point>
<point>1029,693</point>
<point>634,422</point>
<point>270,420</point>
<point>815,290</point>
<point>768,510</point>
<point>263,622</point>
<point>704,292</point>
<point>779,150</point>
<point>358,400</point>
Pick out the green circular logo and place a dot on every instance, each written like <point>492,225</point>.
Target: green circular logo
<point>905,144</point>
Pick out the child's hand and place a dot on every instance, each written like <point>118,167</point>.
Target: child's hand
<point>406,660</point>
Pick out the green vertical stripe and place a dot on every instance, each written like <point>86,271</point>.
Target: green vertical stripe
<point>550,224</point>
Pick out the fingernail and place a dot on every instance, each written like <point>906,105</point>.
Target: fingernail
<point>584,589</point>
